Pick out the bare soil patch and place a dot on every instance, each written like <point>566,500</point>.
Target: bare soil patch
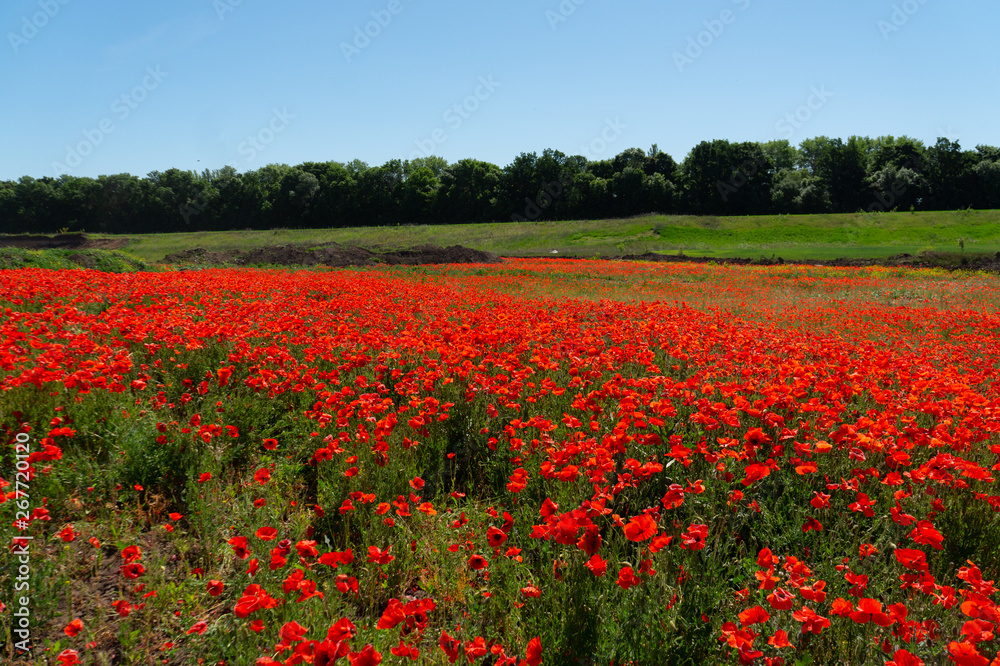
<point>63,242</point>
<point>334,255</point>
<point>947,260</point>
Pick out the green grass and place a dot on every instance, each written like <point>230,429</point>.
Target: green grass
<point>109,261</point>
<point>853,235</point>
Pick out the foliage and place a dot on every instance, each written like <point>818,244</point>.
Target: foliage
<point>719,177</point>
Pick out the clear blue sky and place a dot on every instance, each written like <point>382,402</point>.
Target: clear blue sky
<point>143,86</point>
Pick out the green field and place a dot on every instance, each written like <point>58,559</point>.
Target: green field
<point>789,236</point>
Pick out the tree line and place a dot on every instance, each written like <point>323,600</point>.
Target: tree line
<point>821,175</point>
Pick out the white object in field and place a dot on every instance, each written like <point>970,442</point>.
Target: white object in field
<point>555,252</point>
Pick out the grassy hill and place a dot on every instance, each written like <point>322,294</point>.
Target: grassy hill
<point>854,235</point>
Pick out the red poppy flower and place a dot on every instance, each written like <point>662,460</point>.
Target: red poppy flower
<point>765,558</point>
<point>814,592</point>
<point>753,616</point>
<point>392,615</point>
<point>812,622</point>
<point>904,658</point>
<point>640,528</point>
<point>270,444</point>
<point>262,476</point>
<point>870,610</point>
<point>781,599</point>
<point>779,639</point>
<point>820,501</point>
<point>215,587</point>
<point>674,497</point>
<point>132,554</point>
<point>478,562</point>
<point>495,537</point>
<point>239,544</point>
<point>74,628</point>
<point>367,657</point>
<point>533,654</point>
<point>266,533</point>
<point>812,524</point>
<point>379,556</point>
<point>475,648</point>
<point>133,571</point>
<point>694,538</point>
<point>627,578</point>
<point>341,630</point>
<point>69,658</point>
<point>198,628</point>
<point>292,632</point>
<point>548,508</point>
<point>531,591</point>
<point>966,654</point>
<point>925,533</point>
<point>449,646</point>
<point>911,558</point>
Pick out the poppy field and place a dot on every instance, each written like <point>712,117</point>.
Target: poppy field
<point>535,462</point>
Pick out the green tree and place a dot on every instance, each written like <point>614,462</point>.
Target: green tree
<point>842,169</point>
<point>797,191</point>
<point>295,198</point>
<point>949,175</point>
<point>723,178</point>
<point>634,158</point>
<point>660,162</point>
<point>987,184</point>
<point>418,196</point>
<point>470,191</point>
<point>436,164</point>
